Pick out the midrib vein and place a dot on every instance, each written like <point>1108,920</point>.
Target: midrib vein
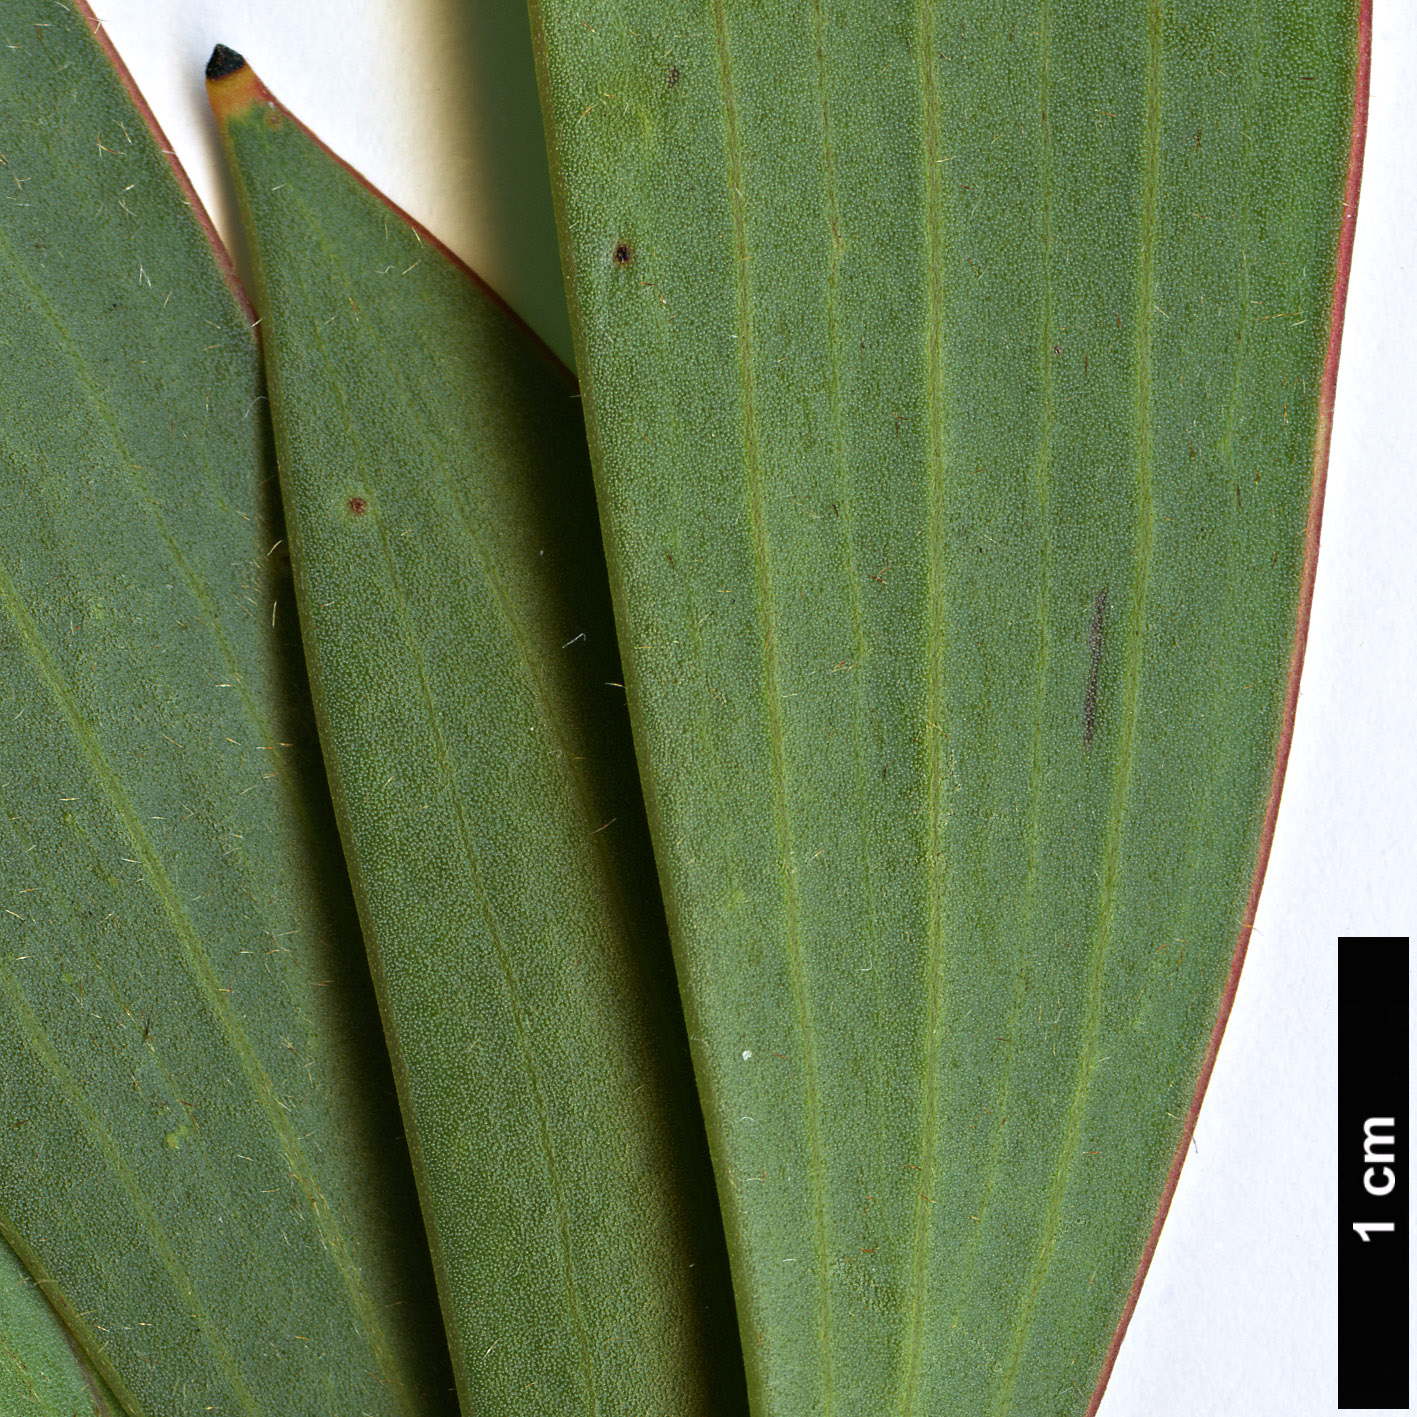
<point>1126,750</point>
<point>42,1046</point>
<point>772,677</point>
<point>200,590</point>
<point>934,730</point>
<point>847,538</point>
<point>1044,467</point>
<point>1042,478</point>
<point>204,975</point>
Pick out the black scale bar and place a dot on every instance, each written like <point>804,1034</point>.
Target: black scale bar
<point>1373,1169</point>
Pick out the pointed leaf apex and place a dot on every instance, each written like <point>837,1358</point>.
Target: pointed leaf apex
<point>232,85</point>
<point>224,61</point>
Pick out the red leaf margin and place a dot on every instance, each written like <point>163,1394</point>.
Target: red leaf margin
<point>1322,435</point>
<point>199,211</point>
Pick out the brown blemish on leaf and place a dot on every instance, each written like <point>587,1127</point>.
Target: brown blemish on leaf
<point>624,253</point>
<point>357,506</point>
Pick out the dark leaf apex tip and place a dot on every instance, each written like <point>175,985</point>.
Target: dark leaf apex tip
<point>224,61</point>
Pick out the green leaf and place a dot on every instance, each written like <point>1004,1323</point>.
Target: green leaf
<point>41,1371</point>
<point>202,1158</point>
<point>953,377</point>
<point>462,653</point>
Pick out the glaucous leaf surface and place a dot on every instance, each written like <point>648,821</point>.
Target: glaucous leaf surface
<point>952,375</point>
<point>462,654</point>
<point>202,1155</point>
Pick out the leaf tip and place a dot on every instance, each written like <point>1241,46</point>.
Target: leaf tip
<point>232,85</point>
<point>223,63</point>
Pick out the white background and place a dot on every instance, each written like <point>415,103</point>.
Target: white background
<point>435,101</point>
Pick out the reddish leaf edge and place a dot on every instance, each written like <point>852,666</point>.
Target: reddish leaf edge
<point>256,89</point>
<point>135,95</point>
<point>1322,436</point>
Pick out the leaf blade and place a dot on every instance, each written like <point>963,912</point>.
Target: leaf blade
<point>460,645</point>
<point>40,1367</point>
<point>205,1182</point>
<point>944,310</point>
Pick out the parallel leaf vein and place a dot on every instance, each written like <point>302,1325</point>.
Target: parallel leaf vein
<point>42,1047</point>
<point>516,1003</point>
<point>200,590</point>
<point>510,981</point>
<point>846,503</point>
<point>552,722</point>
<point>1042,476</point>
<point>1112,844</point>
<point>1044,468</point>
<point>772,676</point>
<point>202,970</point>
<point>933,728</point>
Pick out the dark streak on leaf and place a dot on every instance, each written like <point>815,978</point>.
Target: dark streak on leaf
<point>1094,652</point>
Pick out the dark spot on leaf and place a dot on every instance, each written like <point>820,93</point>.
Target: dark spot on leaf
<point>357,506</point>
<point>624,254</point>
<point>673,75</point>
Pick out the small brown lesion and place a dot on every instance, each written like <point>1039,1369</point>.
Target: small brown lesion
<point>357,506</point>
<point>624,253</point>
<point>1094,655</point>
